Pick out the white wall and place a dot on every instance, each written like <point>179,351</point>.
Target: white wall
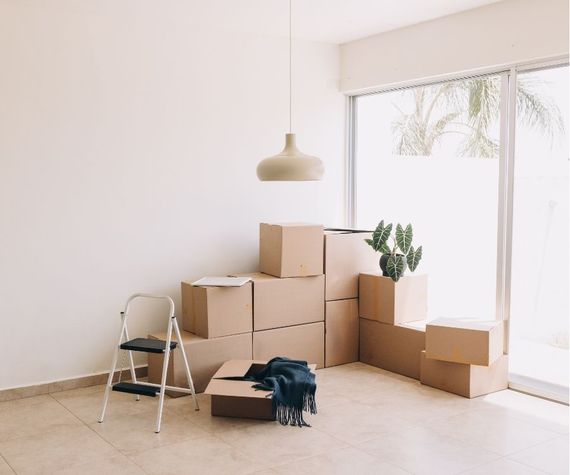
<point>129,137</point>
<point>506,32</point>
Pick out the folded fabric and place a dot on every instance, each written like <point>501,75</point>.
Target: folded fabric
<point>293,389</point>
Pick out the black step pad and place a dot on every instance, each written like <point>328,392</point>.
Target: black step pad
<point>136,388</point>
<point>148,345</point>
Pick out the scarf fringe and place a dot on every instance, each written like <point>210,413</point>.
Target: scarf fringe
<point>289,415</point>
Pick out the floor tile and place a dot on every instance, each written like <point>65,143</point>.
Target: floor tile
<point>551,456</point>
<point>419,404</point>
<point>4,467</point>
<point>31,416</point>
<point>212,424</point>
<point>133,432</point>
<point>115,465</point>
<point>62,449</point>
<point>206,455</point>
<point>421,451</point>
<point>496,431</point>
<point>340,462</point>
<point>369,421</point>
<point>274,444</point>
<point>540,412</point>
<point>86,403</point>
<point>355,422</point>
<point>503,467</point>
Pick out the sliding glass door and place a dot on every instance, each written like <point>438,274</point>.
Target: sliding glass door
<point>441,157</point>
<point>538,344</point>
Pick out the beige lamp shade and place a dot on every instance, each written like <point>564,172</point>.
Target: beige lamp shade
<point>290,165</point>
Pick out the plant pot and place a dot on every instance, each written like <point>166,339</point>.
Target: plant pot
<point>384,261</point>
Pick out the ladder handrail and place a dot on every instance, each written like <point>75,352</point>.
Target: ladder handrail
<point>151,296</point>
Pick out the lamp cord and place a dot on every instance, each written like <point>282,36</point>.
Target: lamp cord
<point>290,74</point>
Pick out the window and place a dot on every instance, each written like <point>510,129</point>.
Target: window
<point>440,157</point>
<point>539,292</point>
<point>429,156</point>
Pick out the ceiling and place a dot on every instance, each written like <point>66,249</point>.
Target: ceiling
<point>331,21</point>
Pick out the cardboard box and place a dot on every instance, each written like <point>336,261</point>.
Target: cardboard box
<point>341,332</point>
<point>395,348</point>
<point>465,379</point>
<point>284,302</point>
<point>464,340</point>
<point>346,256</point>
<point>291,250</point>
<point>301,342</point>
<point>205,358</point>
<point>213,312</point>
<point>386,301</point>
<point>239,398</point>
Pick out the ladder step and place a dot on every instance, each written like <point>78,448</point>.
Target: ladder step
<point>148,345</point>
<point>136,388</point>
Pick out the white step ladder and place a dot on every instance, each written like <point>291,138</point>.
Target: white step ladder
<point>148,345</point>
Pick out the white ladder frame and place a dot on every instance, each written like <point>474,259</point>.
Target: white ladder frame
<point>172,325</point>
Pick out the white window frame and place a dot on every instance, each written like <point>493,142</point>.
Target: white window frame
<point>505,192</point>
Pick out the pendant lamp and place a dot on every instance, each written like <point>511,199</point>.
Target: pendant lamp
<point>291,164</point>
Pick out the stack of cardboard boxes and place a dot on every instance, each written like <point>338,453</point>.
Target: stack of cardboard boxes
<point>288,293</point>
<point>465,357</point>
<point>346,256</point>
<point>462,356</point>
<point>313,300</point>
<point>303,304</point>
<point>392,322</point>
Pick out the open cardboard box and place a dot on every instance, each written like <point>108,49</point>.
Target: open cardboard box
<point>239,398</point>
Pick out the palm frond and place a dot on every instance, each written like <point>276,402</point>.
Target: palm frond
<point>536,109</point>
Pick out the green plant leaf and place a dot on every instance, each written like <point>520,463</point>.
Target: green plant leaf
<point>381,235</point>
<point>370,242</point>
<point>414,257</point>
<point>404,237</point>
<point>385,249</point>
<point>395,267</point>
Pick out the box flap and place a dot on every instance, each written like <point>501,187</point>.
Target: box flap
<point>466,323</point>
<point>223,387</point>
<point>255,276</point>
<point>418,325</point>
<point>345,231</point>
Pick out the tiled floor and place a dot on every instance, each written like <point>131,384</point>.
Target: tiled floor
<point>369,422</point>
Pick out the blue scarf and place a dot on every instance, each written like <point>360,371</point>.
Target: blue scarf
<point>293,385</point>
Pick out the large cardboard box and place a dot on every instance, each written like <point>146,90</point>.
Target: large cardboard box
<point>346,256</point>
<point>395,348</point>
<point>205,358</point>
<point>464,340</point>
<point>465,379</point>
<point>212,312</point>
<point>291,250</point>
<point>341,332</point>
<point>301,342</point>
<point>386,301</point>
<point>231,398</point>
<point>285,302</point>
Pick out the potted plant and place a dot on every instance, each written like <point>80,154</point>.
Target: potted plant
<point>400,255</point>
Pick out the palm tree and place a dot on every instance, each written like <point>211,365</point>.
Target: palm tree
<point>469,108</point>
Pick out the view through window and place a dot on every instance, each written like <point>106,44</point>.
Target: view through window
<point>429,156</point>
<point>539,291</point>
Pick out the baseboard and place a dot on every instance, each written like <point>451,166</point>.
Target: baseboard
<point>66,384</point>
